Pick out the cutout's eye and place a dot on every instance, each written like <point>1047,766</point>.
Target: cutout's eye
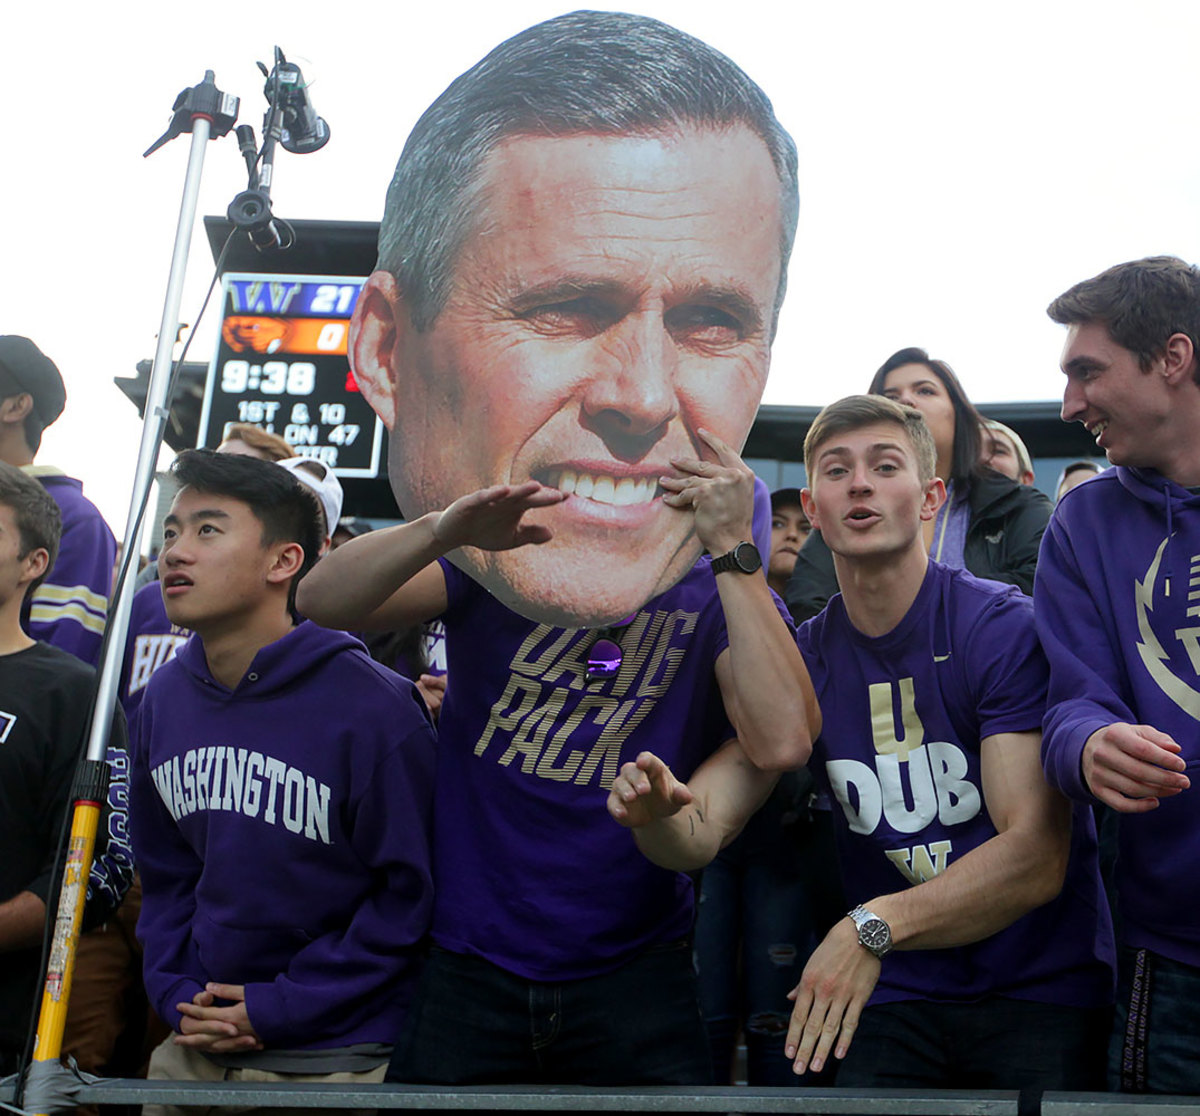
<point>704,325</point>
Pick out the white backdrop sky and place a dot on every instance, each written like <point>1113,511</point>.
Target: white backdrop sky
<point>961,164</point>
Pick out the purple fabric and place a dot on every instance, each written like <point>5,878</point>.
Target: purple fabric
<point>950,530</point>
<point>904,715</point>
<point>68,609</point>
<point>282,835</point>
<point>530,872</point>
<point>1118,612</point>
<point>151,642</point>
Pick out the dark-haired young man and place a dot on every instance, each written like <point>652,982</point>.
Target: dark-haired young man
<point>281,803</point>
<point>1118,607</point>
<point>68,609</point>
<point>45,695</point>
<point>932,688</point>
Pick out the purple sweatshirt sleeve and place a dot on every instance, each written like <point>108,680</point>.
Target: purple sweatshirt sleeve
<point>170,871</point>
<point>1085,687</point>
<point>68,609</point>
<point>334,981</point>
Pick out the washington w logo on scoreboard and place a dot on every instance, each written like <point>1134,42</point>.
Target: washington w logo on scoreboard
<point>281,363</point>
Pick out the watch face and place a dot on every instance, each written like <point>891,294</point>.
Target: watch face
<point>875,934</point>
<point>747,557</point>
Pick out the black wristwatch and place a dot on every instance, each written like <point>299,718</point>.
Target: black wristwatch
<point>873,933</point>
<point>743,557</point>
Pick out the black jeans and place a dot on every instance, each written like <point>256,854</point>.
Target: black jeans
<point>995,1043</point>
<point>477,1024</point>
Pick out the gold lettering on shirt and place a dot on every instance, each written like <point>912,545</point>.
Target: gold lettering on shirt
<point>548,699</point>
<point>883,719</point>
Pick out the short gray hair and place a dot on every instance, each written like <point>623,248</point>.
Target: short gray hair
<point>607,73</point>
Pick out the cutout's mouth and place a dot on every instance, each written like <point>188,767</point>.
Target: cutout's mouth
<point>603,488</point>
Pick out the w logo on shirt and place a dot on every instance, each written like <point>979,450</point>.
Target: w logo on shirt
<point>7,720</point>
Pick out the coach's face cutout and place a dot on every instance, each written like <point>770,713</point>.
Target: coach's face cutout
<point>614,295</point>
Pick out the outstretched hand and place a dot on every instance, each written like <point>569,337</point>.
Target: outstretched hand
<point>720,493</point>
<point>493,518</point>
<point>1131,767</point>
<point>644,791</point>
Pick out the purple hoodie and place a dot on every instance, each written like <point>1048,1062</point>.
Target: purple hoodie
<point>282,832</point>
<point>68,609</point>
<point>1117,599</point>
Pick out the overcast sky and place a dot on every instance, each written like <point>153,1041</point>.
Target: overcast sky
<point>960,165</point>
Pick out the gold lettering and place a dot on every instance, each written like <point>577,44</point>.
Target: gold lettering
<point>535,668</point>
<point>589,703</point>
<point>883,720</point>
<point>921,862</point>
<point>620,723</point>
<point>636,644</point>
<point>502,717</point>
<point>665,653</point>
<point>531,734</point>
<point>572,662</point>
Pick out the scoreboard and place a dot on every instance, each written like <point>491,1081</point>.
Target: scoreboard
<point>281,364</point>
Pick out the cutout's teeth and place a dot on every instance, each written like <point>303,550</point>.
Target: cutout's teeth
<point>616,492</point>
<point>626,491</point>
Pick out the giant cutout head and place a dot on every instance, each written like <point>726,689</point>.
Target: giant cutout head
<point>581,264</point>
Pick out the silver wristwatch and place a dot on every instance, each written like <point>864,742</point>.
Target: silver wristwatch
<point>873,933</point>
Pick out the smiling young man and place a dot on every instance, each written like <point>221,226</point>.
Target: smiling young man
<point>280,802</point>
<point>581,264</point>
<point>1117,605</point>
<point>966,963</point>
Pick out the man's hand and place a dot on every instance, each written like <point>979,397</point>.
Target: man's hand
<point>490,519</point>
<point>432,687</point>
<point>837,982</point>
<point>1130,767</point>
<point>644,791</point>
<point>720,493</point>
<point>221,1030</point>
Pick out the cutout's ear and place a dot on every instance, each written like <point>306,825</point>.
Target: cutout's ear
<point>379,316</point>
<point>810,508</point>
<point>1179,358</point>
<point>935,497</point>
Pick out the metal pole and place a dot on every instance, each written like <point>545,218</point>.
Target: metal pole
<point>87,808</point>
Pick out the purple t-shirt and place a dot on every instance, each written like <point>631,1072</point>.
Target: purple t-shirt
<point>904,715</point>
<point>150,642</point>
<point>530,872</point>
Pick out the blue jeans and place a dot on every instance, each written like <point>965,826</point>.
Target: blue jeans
<point>995,1043</point>
<point>1155,1045</point>
<point>756,928</point>
<point>477,1024</point>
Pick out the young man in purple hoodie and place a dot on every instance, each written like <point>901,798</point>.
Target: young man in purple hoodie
<point>280,802</point>
<point>979,954</point>
<point>68,609</point>
<point>1117,598</point>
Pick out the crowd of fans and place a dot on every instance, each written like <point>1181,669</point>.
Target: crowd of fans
<point>394,817</point>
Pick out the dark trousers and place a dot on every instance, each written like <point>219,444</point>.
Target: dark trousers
<point>992,1044</point>
<point>476,1024</point>
<point>1156,1034</point>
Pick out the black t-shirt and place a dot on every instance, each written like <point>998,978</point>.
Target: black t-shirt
<point>45,695</point>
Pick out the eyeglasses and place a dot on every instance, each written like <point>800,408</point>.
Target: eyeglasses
<point>606,654</point>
